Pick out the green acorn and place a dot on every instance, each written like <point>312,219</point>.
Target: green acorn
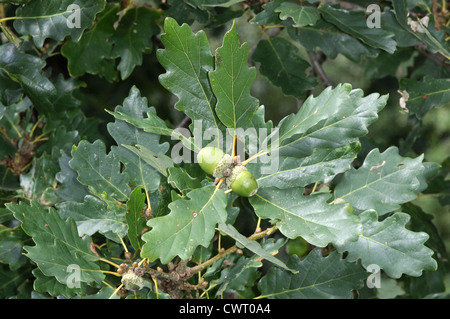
<point>209,157</point>
<point>297,246</point>
<point>242,182</point>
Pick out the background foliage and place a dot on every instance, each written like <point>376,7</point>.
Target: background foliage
<point>76,180</point>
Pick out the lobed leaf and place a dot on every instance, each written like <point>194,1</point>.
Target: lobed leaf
<point>50,19</point>
<point>321,166</point>
<point>98,170</point>
<point>190,223</point>
<point>302,15</point>
<point>318,277</point>
<point>141,172</point>
<point>391,246</point>
<point>93,215</point>
<point>135,220</point>
<point>231,81</point>
<point>354,23</point>
<point>382,183</point>
<point>282,65</point>
<point>25,70</point>
<point>426,94</point>
<point>187,59</point>
<point>308,216</point>
<point>331,40</point>
<point>57,244</point>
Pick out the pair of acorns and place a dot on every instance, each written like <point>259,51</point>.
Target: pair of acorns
<point>215,162</point>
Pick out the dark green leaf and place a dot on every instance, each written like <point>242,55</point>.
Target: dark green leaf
<point>318,278</point>
<point>354,23</point>
<point>134,218</point>
<point>281,63</point>
<point>187,59</point>
<point>57,245</point>
<point>94,215</point>
<point>425,94</point>
<point>302,15</point>
<point>52,19</point>
<point>25,69</point>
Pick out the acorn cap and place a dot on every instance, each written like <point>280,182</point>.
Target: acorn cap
<point>235,173</point>
<point>132,282</point>
<point>224,163</point>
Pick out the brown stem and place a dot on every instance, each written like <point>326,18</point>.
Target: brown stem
<point>316,62</point>
<point>220,255</point>
<point>436,57</point>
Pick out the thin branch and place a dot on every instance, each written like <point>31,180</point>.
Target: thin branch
<point>316,62</point>
<point>436,57</point>
<point>229,251</point>
<point>184,122</point>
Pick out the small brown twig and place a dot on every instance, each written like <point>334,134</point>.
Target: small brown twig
<point>316,61</point>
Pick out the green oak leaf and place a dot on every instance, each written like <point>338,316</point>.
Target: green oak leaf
<point>11,243</point>
<point>159,162</point>
<point>321,166</point>
<point>391,246</point>
<point>308,216</point>
<point>133,37</point>
<point>354,23</point>
<point>334,119</point>
<point>190,223</point>
<point>425,94</point>
<point>282,65</point>
<point>314,110</point>
<point>93,215</point>
<point>92,53</point>
<point>383,182</point>
<point>52,19</point>
<point>302,15</point>
<point>126,134</point>
<point>435,40</point>
<point>39,182</point>
<point>331,40</point>
<point>134,218</point>
<point>98,170</point>
<point>154,124</point>
<point>180,179</point>
<point>268,16</point>
<point>69,188</point>
<point>25,70</point>
<point>241,274</point>
<point>187,59</point>
<point>53,287</point>
<point>57,244</point>
<point>231,82</point>
<point>318,278</point>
